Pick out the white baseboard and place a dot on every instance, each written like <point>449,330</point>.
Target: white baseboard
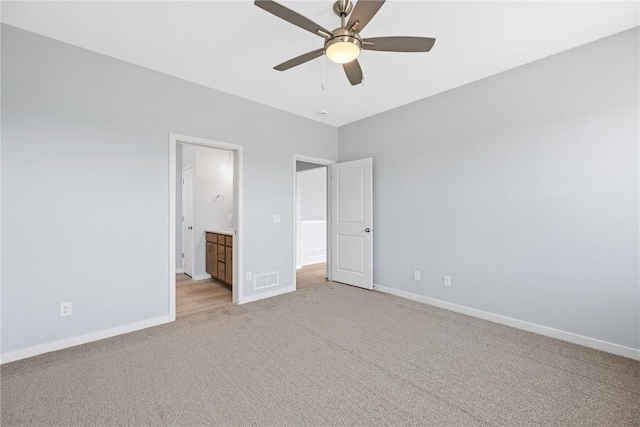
<point>179,270</point>
<point>608,347</point>
<point>195,278</point>
<point>263,295</point>
<point>81,339</point>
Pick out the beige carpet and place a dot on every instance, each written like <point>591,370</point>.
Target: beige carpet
<point>325,355</point>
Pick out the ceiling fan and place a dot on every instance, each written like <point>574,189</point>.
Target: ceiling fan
<point>343,45</point>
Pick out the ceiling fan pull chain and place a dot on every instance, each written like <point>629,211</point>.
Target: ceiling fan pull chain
<point>323,86</point>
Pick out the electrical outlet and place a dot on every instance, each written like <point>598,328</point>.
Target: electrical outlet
<point>249,276</point>
<point>446,280</point>
<point>416,275</point>
<point>229,217</point>
<point>65,309</point>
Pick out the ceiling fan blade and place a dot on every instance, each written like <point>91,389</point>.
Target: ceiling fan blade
<point>399,44</point>
<point>363,12</point>
<point>353,71</point>
<point>299,60</point>
<point>292,17</point>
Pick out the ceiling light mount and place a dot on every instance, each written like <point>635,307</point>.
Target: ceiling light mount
<point>343,8</point>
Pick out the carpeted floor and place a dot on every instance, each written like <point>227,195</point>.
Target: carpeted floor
<point>324,355</point>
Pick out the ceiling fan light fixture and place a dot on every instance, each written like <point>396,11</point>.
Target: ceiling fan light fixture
<point>343,50</point>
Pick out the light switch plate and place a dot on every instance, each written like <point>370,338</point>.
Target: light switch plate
<point>276,219</point>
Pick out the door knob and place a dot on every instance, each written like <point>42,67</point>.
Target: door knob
<point>367,230</point>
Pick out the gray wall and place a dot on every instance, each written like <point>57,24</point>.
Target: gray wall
<point>312,185</point>
<point>85,187</point>
<point>523,187</point>
<point>303,166</point>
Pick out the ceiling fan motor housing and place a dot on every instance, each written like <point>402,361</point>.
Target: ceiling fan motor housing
<point>341,35</point>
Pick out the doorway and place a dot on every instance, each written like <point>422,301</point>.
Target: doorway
<point>205,221</point>
<point>206,212</point>
<point>311,227</point>
<point>348,239</point>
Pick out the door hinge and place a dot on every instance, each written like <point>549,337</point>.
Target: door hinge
<point>182,255</point>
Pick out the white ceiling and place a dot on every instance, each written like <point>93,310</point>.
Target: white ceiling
<point>232,46</point>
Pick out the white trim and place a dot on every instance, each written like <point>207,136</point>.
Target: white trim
<point>597,344</point>
<point>179,270</point>
<point>263,295</point>
<point>83,339</point>
<point>238,212</point>
<point>296,263</point>
<point>198,277</point>
<point>313,221</point>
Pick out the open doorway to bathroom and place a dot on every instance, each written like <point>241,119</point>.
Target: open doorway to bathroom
<point>311,223</point>
<point>204,228</point>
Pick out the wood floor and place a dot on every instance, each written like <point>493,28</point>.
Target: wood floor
<point>311,275</point>
<point>203,295</point>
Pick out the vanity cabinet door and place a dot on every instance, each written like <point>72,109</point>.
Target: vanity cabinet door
<point>212,259</point>
<point>220,254</point>
<point>221,269</point>
<point>229,265</point>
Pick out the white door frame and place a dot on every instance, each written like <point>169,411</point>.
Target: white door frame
<point>317,161</point>
<point>238,220</point>
<point>182,222</point>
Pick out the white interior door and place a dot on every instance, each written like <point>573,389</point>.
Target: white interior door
<point>351,223</point>
<point>187,221</point>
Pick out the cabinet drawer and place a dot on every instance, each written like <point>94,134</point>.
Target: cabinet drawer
<point>221,239</point>
<point>212,237</point>
<point>228,240</point>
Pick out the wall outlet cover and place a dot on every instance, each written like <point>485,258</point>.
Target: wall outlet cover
<point>276,219</point>
<point>65,309</point>
<point>446,280</point>
<point>416,275</point>
<point>249,276</point>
